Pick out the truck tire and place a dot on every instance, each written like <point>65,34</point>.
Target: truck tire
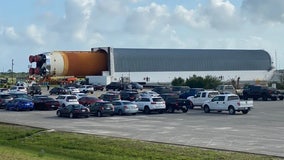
<point>231,110</point>
<point>245,111</point>
<point>170,109</point>
<point>206,109</point>
<point>191,106</point>
<point>184,110</point>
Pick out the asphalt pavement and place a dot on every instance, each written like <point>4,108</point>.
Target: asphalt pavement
<point>260,131</point>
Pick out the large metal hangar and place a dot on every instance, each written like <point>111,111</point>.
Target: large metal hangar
<point>156,65</point>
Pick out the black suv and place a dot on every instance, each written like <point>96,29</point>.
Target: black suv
<point>256,91</point>
<point>34,89</point>
<point>173,102</point>
<point>117,86</point>
<point>130,95</point>
<point>110,96</point>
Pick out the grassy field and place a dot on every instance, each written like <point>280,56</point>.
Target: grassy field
<point>25,143</point>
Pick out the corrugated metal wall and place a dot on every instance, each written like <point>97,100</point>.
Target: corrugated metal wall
<point>144,60</point>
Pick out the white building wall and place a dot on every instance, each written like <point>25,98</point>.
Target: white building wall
<point>166,77</point>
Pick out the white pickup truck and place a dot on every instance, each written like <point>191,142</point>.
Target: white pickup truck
<point>227,102</point>
<point>201,97</point>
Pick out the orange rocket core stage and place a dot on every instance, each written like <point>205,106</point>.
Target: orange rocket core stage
<point>82,63</point>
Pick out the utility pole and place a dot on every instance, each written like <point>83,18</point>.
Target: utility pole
<point>12,71</point>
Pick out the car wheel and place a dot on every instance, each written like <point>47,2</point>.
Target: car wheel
<point>232,110</point>
<point>147,110</point>
<point>281,98</point>
<point>184,109</point>
<point>71,115</point>
<point>191,106</point>
<point>206,109</point>
<point>99,114</point>
<point>245,111</point>
<point>58,113</point>
<point>170,109</point>
<point>161,111</point>
<point>133,113</point>
<point>120,112</point>
<point>17,108</point>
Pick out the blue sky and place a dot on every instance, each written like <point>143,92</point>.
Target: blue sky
<point>31,27</point>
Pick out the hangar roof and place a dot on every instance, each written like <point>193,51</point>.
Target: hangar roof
<point>151,60</point>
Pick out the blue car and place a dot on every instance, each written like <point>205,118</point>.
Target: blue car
<point>19,104</point>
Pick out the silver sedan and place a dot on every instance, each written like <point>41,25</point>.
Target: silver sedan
<point>122,107</point>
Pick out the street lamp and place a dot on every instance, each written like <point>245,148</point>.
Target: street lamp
<point>12,71</point>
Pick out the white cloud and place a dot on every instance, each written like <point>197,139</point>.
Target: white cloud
<point>9,33</point>
<point>264,11</point>
<point>35,34</point>
<point>192,18</point>
<point>147,19</point>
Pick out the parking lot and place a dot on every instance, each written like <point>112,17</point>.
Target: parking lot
<point>260,131</point>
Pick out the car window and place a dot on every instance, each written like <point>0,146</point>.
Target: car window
<point>158,100</point>
<point>203,94</point>
<point>144,99</point>
<point>230,98</point>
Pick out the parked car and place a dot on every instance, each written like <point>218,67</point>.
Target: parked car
<point>136,85</point>
<point>58,91</point>
<point>19,104</point>
<point>173,102</point>
<point>73,110</point>
<point>4,90</point>
<point>4,99</point>
<point>149,104</point>
<point>129,95</point>
<point>20,95</point>
<point>102,108</point>
<point>72,90</point>
<point>34,89</point>
<point>149,94</point>
<point>124,107</point>
<point>110,96</point>
<point>86,89</point>
<point>201,97</point>
<point>223,89</point>
<point>14,89</point>
<point>180,89</point>
<point>162,89</point>
<point>80,95</point>
<point>98,87</point>
<point>256,91</point>
<point>66,100</point>
<point>88,100</point>
<point>117,86</point>
<point>190,92</point>
<point>45,103</point>
<point>227,102</point>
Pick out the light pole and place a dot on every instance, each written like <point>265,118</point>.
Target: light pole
<point>12,71</point>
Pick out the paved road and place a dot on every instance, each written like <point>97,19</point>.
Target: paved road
<point>260,131</point>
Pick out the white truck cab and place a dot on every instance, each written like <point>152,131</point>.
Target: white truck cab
<point>201,97</point>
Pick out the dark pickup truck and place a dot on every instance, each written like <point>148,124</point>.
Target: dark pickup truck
<point>173,102</point>
<point>257,91</point>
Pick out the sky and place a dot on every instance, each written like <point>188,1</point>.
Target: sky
<point>30,27</point>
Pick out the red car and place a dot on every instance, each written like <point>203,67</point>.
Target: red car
<point>45,103</point>
<point>87,100</point>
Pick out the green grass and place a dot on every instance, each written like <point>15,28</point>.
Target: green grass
<point>24,143</point>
